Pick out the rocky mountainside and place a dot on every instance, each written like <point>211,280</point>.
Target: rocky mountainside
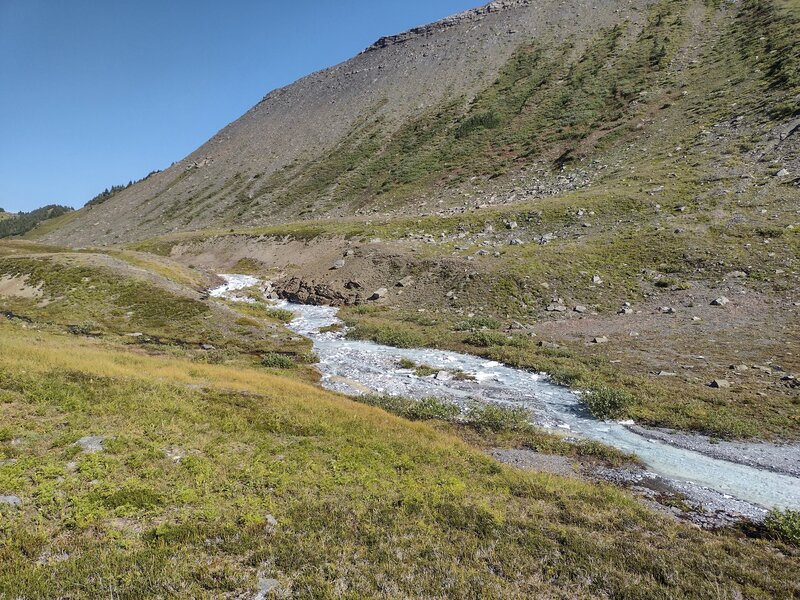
<point>239,176</point>
<point>450,114</point>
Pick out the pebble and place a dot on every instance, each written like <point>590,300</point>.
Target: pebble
<point>92,443</point>
<point>11,501</point>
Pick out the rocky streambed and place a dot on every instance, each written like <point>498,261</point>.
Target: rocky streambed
<point>718,484</point>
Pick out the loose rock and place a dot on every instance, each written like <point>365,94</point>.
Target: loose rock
<point>720,384</point>
<point>721,301</point>
<point>91,443</point>
<point>379,293</point>
<point>11,501</point>
<point>405,281</point>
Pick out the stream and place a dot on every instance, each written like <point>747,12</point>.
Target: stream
<point>355,366</point>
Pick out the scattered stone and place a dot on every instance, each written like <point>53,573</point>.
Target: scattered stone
<point>444,376</point>
<point>405,281</point>
<point>265,587</point>
<point>339,264</point>
<point>580,309</point>
<point>207,347</point>
<point>516,242</point>
<point>379,293</point>
<point>174,453</point>
<point>556,308</point>
<point>600,340</point>
<point>353,285</point>
<point>92,443</point>
<point>597,279</point>
<point>512,225</point>
<point>271,520</point>
<point>667,310</point>
<point>696,319</point>
<point>11,501</point>
<point>546,238</point>
<point>721,301</point>
<point>737,274</point>
<point>666,374</point>
<point>782,173</point>
<point>720,384</point>
<point>739,368</point>
<point>549,345</point>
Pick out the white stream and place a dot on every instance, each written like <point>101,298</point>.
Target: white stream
<point>351,366</point>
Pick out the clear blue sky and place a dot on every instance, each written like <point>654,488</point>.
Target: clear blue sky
<point>98,92</point>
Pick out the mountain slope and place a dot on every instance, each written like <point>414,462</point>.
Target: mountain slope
<point>488,93</point>
<point>390,84</point>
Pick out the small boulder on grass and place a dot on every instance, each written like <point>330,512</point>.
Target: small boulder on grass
<point>92,443</point>
<point>721,301</point>
<point>12,501</point>
<point>719,384</point>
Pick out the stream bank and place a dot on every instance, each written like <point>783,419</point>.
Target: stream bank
<point>717,488</point>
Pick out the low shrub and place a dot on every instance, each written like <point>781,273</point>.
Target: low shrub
<point>606,402</point>
<point>274,360</point>
<point>485,339</point>
<point>429,409</point>
<point>388,335</point>
<point>784,525</point>
<point>477,323</point>
<point>497,418</point>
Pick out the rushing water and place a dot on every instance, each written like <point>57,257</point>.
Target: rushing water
<point>353,366</point>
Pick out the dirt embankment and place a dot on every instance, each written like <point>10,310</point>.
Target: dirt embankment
<point>331,270</point>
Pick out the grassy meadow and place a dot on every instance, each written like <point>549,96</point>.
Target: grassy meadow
<point>144,470</point>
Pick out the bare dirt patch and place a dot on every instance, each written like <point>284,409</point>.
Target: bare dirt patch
<point>17,287</point>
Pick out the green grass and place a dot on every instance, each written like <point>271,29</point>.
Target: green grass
<point>78,295</point>
<point>215,470</point>
<point>197,491</point>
